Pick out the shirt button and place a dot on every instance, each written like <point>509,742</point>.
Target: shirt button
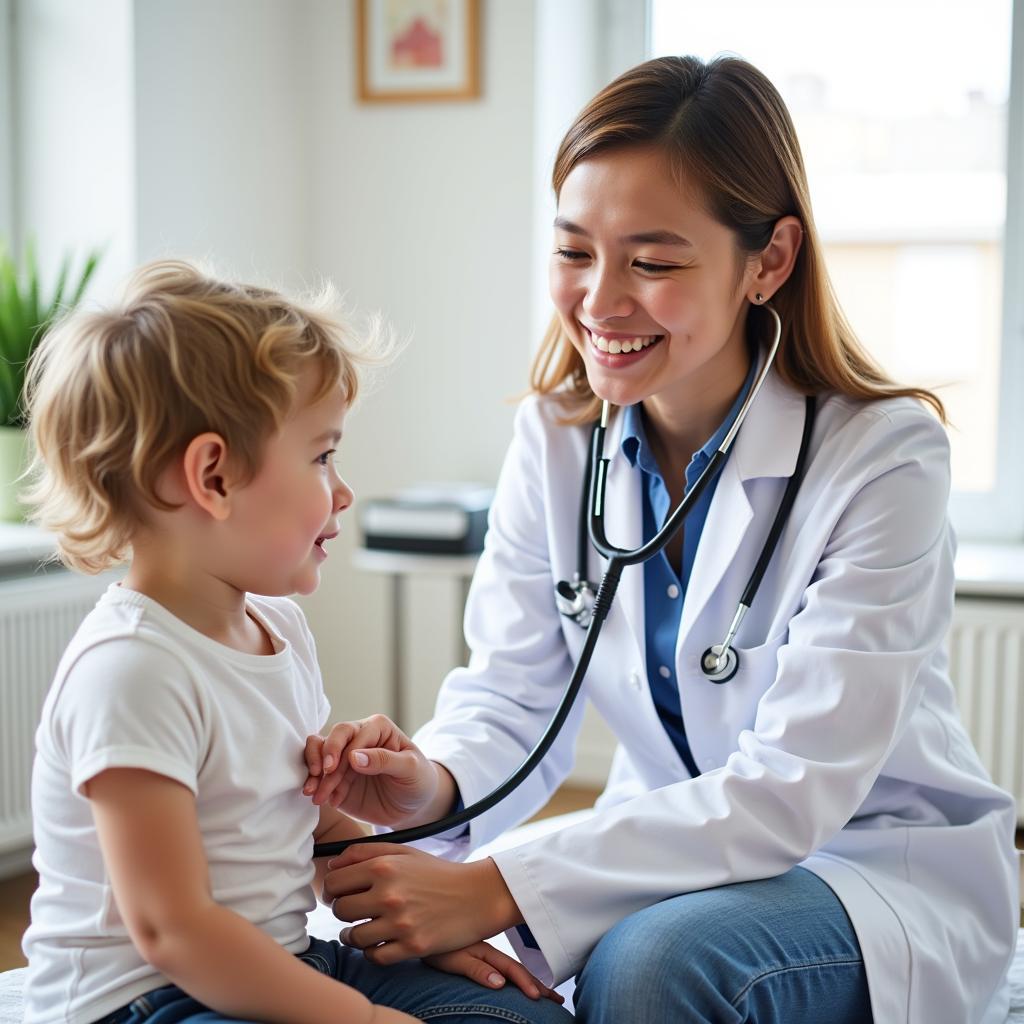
<point>673,591</point>
<point>665,672</point>
<point>634,680</point>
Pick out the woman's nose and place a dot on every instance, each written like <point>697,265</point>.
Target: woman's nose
<point>607,296</point>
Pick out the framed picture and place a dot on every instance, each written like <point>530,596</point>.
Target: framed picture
<point>418,50</point>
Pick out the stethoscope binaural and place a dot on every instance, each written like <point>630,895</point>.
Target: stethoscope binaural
<point>589,606</point>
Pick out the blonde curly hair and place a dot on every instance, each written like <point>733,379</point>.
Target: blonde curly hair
<point>114,396</point>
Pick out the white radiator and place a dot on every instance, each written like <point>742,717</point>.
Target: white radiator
<point>986,662</point>
<point>38,616</point>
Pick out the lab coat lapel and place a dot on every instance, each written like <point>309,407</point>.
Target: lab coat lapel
<point>766,446</point>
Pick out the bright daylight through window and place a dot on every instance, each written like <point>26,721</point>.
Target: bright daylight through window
<point>901,108</point>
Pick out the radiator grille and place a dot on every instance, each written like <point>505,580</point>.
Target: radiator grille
<point>986,663</point>
<point>38,616</point>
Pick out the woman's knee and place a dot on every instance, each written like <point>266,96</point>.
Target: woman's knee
<point>657,958</point>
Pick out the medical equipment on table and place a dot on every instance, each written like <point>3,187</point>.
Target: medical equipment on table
<point>589,606</point>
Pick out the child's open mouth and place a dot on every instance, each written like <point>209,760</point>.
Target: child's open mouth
<point>318,544</point>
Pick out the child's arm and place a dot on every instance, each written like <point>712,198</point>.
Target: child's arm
<point>153,852</point>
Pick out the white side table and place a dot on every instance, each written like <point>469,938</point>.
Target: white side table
<point>402,566</point>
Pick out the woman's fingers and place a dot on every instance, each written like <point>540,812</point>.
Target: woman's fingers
<point>365,935</point>
<point>469,965</point>
<point>379,761</point>
<point>512,969</point>
<point>338,739</point>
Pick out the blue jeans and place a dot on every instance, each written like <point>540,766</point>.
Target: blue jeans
<point>411,986</point>
<point>778,950</point>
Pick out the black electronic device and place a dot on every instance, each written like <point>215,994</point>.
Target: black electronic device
<point>430,519</point>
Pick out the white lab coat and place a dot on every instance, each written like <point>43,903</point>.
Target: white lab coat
<point>837,746</point>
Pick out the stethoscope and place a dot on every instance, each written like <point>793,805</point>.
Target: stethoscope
<point>576,598</point>
<point>589,605</point>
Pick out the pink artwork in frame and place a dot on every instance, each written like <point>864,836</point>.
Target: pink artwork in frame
<point>418,50</point>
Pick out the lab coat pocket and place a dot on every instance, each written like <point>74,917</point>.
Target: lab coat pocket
<point>725,709</point>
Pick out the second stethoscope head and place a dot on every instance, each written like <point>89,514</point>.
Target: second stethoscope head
<point>575,599</point>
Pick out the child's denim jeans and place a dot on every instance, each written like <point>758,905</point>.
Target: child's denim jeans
<point>410,986</point>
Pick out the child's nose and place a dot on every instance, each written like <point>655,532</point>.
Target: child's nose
<point>343,496</point>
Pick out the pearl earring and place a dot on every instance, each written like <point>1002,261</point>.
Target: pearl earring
<point>758,297</point>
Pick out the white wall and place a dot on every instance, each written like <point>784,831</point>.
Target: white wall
<point>424,212</point>
<point>222,123</point>
<point>74,131</point>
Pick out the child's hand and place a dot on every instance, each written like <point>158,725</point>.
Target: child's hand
<point>369,769</point>
<point>491,968</point>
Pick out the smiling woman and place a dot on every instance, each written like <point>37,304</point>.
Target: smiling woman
<point>824,794</point>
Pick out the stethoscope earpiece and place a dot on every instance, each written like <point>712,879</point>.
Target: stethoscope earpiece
<point>717,667</point>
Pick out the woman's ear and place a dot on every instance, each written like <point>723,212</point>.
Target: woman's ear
<point>778,258</point>
<point>205,471</point>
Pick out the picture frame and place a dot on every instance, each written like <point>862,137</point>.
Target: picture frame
<point>418,50</point>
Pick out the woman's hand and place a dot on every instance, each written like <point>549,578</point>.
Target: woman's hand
<point>491,968</point>
<point>417,904</point>
<point>371,770</point>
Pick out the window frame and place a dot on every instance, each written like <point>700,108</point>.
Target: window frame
<point>8,165</point>
<point>996,516</point>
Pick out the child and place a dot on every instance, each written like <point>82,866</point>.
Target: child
<point>194,429</point>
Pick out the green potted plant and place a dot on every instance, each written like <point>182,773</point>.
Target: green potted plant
<point>25,316</point>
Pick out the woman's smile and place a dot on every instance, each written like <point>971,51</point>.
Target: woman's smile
<point>617,351</point>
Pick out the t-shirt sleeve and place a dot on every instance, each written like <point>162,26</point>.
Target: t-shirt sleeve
<point>127,703</point>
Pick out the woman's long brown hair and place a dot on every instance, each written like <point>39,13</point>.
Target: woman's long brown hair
<point>726,132</point>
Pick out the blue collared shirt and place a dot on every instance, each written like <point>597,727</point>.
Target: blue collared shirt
<point>664,589</point>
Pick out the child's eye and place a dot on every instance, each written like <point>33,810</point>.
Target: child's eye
<point>324,458</point>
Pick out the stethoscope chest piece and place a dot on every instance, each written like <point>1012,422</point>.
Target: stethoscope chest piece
<point>575,600</point>
<point>719,668</point>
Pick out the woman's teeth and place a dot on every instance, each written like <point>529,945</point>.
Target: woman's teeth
<point>617,346</point>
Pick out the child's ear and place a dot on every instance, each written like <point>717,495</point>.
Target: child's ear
<point>205,467</point>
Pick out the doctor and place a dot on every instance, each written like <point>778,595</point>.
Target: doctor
<point>815,839</point>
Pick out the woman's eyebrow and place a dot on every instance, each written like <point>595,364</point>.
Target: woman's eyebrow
<point>642,237</point>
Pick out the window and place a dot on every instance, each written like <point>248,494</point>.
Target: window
<point>6,126</point>
<point>903,111</point>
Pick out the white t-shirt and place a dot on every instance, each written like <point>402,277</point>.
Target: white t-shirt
<point>138,688</point>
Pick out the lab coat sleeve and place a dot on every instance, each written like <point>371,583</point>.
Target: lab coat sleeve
<point>490,715</point>
<point>878,603</point>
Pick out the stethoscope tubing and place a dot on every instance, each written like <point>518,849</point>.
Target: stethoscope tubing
<point>602,605</point>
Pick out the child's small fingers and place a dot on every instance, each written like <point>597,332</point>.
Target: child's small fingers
<point>314,762</point>
<point>340,795</point>
<point>337,740</point>
<point>309,786</point>
<point>330,785</point>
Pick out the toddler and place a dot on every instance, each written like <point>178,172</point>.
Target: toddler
<point>192,431</point>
